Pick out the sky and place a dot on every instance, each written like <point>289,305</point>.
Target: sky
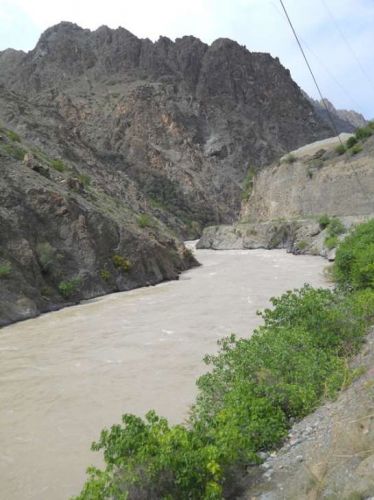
<point>337,35</point>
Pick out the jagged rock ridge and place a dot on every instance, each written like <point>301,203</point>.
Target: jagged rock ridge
<point>184,119</point>
<point>344,120</point>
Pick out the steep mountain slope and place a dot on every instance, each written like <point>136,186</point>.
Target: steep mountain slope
<point>62,240</point>
<point>182,119</point>
<point>344,120</point>
<point>112,147</point>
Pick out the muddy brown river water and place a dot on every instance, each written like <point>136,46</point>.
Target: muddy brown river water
<point>67,374</point>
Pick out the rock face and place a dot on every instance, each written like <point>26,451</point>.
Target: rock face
<point>344,120</point>
<point>62,241</point>
<point>112,147</point>
<point>312,181</point>
<point>182,120</point>
<point>288,198</point>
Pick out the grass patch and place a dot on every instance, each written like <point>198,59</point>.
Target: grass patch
<point>248,183</point>
<point>12,136</point>
<point>69,288</point>
<point>58,165</point>
<point>14,151</point>
<point>5,271</point>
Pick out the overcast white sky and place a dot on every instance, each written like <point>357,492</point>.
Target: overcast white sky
<point>344,70</point>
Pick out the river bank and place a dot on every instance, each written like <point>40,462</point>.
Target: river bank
<point>69,373</point>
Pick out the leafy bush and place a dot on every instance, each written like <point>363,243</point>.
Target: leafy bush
<point>363,133</point>
<point>145,220</point>
<point>331,242</point>
<point>105,274</point>
<point>324,220</point>
<point>149,459</point>
<point>58,165</point>
<point>84,179</point>
<point>354,262</point>
<point>46,255</point>
<point>351,142</point>
<point>68,288</point>
<point>340,149</point>
<point>357,148</point>
<point>5,270</point>
<point>121,263</point>
<point>334,227</point>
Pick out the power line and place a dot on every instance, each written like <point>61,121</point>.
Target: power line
<point>366,195</point>
<point>355,104</point>
<point>311,72</point>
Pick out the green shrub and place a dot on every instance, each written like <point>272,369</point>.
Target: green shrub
<point>5,270</point>
<point>351,142</point>
<point>15,151</point>
<point>149,459</point>
<point>13,136</point>
<point>331,242</point>
<point>68,288</point>
<point>145,220</point>
<point>58,165</point>
<point>357,148</point>
<point>46,255</point>
<point>121,263</point>
<point>84,179</point>
<point>363,133</point>
<point>105,274</point>
<point>354,262</point>
<point>335,227</point>
<point>290,158</point>
<point>248,182</point>
<point>340,149</point>
<point>371,124</point>
<point>301,245</point>
<point>323,221</point>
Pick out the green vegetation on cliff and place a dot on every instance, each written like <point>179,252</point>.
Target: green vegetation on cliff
<point>254,390</point>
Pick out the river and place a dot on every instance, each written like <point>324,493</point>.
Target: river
<point>67,374</point>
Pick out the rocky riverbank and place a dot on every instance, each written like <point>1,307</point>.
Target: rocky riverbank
<point>300,236</point>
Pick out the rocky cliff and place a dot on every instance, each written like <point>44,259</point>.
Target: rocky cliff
<point>112,147</point>
<point>181,119</point>
<point>344,120</point>
<point>288,198</point>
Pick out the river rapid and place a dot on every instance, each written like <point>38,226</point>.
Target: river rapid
<point>67,374</point>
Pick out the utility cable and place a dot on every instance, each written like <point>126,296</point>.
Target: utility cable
<point>366,194</point>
